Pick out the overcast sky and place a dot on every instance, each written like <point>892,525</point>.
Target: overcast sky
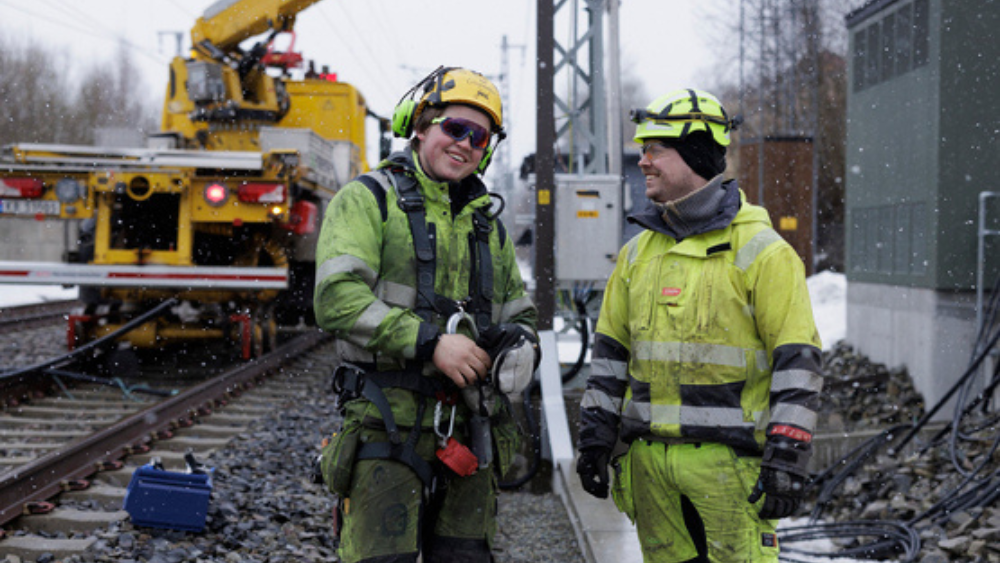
<point>382,46</point>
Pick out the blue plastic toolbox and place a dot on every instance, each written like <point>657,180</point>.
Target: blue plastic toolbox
<point>164,499</point>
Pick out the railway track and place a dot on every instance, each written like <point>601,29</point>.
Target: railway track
<point>68,458</point>
<point>20,317</point>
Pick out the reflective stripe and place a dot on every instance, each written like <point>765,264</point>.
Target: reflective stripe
<point>605,367</point>
<point>343,264</point>
<point>596,399</point>
<point>638,411</point>
<point>369,320</point>
<point>350,353</point>
<point>396,294</point>
<point>788,379</point>
<point>699,416</point>
<point>787,413</point>
<point>692,416</point>
<point>632,246</point>
<point>749,252</point>
<point>696,353</point>
<point>512,308</point>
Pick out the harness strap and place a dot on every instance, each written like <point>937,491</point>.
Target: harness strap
<point>354,381</point>
<point>481,280</point>
<point>424,240</point>
<point>405,453</point>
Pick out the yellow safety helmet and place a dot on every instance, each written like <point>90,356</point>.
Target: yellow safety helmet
<point>681,112</point>
<point>448,85</point>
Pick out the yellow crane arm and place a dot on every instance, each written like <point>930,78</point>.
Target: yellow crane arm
<point>228,22</point>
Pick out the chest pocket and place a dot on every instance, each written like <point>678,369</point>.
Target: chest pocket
<point>688,297</point>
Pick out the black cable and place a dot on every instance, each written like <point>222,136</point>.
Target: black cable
<point>107,339</point>
<point>954,388</point>
<point>580,299</point>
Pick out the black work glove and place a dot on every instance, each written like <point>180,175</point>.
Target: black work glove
<point>782,492</point>
<point>592,466</point>
<point>783,473</point>
<point>497,338</point>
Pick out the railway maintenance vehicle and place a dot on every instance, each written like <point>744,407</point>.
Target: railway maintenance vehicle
<point>220,210</point>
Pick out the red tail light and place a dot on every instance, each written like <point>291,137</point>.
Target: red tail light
<point>21,187</point>
<point>261,193</point>
<point>216,194</point>
<point>302,218</point>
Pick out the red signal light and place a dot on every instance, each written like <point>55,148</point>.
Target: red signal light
<point>21,187</point>
<point>216,194</point>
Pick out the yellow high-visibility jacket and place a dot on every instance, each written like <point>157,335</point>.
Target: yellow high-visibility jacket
<point>710,339</point>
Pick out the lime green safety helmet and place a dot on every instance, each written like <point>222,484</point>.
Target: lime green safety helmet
<point>681,112</point>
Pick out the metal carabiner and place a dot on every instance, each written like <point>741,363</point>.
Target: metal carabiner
<point>457,319</point>
<point>438,412</point>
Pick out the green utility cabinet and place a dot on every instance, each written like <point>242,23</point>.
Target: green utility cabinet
<point>923,121</point>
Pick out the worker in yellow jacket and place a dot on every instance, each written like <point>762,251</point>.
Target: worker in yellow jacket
<point>706,359</point>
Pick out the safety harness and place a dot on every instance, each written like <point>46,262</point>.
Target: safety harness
<point>363,380</point>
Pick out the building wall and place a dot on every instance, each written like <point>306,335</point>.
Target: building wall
<point>929,332</point>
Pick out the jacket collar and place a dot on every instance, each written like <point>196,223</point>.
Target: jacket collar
<point>732,201</point>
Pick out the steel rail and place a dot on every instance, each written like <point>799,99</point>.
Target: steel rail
<point>42,478</point>
<point>20,317</point>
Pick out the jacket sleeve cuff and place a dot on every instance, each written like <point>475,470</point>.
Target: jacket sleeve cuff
<point>428,336</point>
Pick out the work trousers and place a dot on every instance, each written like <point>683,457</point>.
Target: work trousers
<point>677,488</point>
<point>388,517</point>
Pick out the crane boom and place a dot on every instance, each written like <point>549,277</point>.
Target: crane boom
<point>228,22</point>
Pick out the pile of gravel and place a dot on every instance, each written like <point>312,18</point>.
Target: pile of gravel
<point>945,495</point>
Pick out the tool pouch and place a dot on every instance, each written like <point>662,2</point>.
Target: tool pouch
<point>338,459</point>
<point>621,484</point>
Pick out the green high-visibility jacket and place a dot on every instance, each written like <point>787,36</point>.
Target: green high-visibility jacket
<point>708,339</point>
<point>366,273</point>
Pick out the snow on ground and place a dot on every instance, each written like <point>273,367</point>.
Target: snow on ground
<point>13,295</point>
<point>828,292</point>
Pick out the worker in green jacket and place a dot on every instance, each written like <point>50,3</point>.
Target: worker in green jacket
<point>416,278</point>
<point>706,359</point>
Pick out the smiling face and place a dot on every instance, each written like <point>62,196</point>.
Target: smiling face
<point>442,158</point>
<point>668,177</point>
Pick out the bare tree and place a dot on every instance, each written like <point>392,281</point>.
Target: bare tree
<point>114,96</point>
<point>791,81</point>
<point>34,93</point>
<point>40,103</point>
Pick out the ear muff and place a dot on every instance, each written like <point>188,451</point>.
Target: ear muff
<point>402,118</point>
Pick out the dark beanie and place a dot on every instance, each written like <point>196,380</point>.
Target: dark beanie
<point>700,152</point>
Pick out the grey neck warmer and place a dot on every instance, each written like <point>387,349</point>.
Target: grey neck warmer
<point>684,215</point>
